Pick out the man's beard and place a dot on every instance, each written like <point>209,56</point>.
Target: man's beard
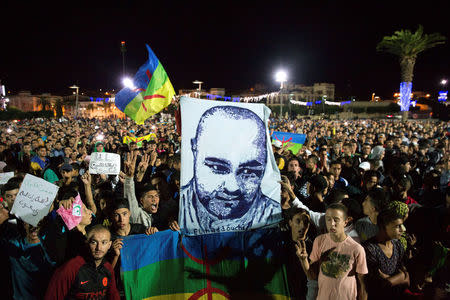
<point>226,205</point>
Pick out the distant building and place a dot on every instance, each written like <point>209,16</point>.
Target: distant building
<point>300,92</point>
<point>25,101</point>
<point>88,107</point>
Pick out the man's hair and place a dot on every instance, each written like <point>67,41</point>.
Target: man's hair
<point>40,147</point>
<point>10,185</point>
<point>318,182</point>
<point>369,174</point>
<point>377,197</point>
<point>118,204</point>
<point>147,188</point>
<point>339,206</point>
<point>387,216</point>
<point>314,158</point>
<point>296,210</point>
<point>336,162</point>
<point>97,228</point>
<point>75,166</point>
<point>336,195</point>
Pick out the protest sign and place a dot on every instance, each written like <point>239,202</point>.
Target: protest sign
<point>104,163</point>
<point>72,216</point>
<point>4,177</point>
<point>229,176</point>
<point>34,199</point>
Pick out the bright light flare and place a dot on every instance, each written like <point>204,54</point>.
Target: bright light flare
<point>444,81</point>
<point>281,76</point>
<point>9,130</point>
<point>127,82</point>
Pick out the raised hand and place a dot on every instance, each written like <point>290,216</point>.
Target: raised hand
<point>117,246</point>
<point>67,204</point>
<point>130,164</point>
<point>86,178</point>
<point>301,252</point>
<point>143,165</point>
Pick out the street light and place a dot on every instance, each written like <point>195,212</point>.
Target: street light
<point>127,82</point>
<point>76,101</point>
<point>281,77</point>
<point>444,82</point>
<point>199,85</point>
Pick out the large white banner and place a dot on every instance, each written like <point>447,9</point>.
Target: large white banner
<point>229,177</point>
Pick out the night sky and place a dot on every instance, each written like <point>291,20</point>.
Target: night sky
<point>47,48</point>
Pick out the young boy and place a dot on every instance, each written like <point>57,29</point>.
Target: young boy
<point>336,259</point>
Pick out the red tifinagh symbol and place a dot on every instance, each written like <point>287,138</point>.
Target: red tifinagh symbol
<point>209,290</point>
<point>283,141</point>
<point>149,75</point>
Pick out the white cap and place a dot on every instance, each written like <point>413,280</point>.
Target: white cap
<point>365,165</point>
<point>277,144</point>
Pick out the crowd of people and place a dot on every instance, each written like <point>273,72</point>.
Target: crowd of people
<point>365,203</point>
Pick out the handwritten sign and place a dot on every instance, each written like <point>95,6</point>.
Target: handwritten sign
<point>104,163</point>
<point>34,199</point>
<point>4,177</point>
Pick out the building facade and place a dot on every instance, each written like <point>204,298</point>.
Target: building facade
<point>300,92</point>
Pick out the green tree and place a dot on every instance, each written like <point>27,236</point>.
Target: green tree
<point>407,46</point>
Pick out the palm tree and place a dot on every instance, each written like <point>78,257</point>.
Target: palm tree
<point>407,45</point>
<point>59,107</point>
<point>44,102</point>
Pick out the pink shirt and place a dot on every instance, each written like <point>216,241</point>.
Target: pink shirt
<point>334,282</point>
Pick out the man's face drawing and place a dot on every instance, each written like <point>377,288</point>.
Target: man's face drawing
<point>229,160</point>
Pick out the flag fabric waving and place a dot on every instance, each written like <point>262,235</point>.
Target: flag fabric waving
<point>151,91</point>
<point>138,140</point>
<point>215,266</point>
<point>296,140</point>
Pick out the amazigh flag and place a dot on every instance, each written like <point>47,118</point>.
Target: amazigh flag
<point>138,140</point>
<point>150,93</point>
<point>297,140</point>
<point>232,265</point>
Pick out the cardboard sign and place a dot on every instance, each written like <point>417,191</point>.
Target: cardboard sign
<point>34,199</point>
<point>4,177</point>
<point>104,163</point>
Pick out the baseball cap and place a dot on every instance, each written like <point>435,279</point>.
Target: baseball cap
<point>277,144</point>
<point>365,165</point>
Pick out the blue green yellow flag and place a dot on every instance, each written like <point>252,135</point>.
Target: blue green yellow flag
<point>151,91</point>
<point>230,265</point>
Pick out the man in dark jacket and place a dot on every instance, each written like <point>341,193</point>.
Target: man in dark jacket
<point>88,276</point>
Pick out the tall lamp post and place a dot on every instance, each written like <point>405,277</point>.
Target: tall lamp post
<point>123,49</point>
<point>199,86</point>
<point>281,77</point>
<point>76,101</point>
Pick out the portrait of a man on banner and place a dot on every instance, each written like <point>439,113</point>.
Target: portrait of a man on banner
<point>223,189</point>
